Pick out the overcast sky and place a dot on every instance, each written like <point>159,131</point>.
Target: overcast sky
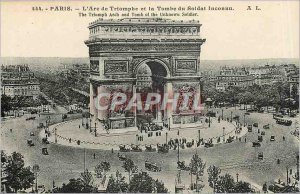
<point>272,32</point>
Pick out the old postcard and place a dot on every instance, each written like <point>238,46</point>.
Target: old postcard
<point>149,96</point>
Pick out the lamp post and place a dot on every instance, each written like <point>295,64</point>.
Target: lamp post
<point>95,129</point>
<point>91,125</point>
<point>237,177</point>
<point>166,138</point>
<point>230,116</point>
<point>222,115</point>
<point>36,169</point>
<point>223,134</point>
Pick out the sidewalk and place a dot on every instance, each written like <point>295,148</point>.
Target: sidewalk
<point>71,133</point>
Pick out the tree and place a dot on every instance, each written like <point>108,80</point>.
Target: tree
<point>243,187</point>
<point>75,186</point>
<point>129,167</point>
<point>213,176</point>
<point>5,104</point>
<point>87,178</point>
<point>101,169</point>
<point>197,166</point>
<point>225,184</point>
<point>118,184</point>
<point>143,183</point>
<point>18,176</point>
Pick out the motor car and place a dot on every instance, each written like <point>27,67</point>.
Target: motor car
<point>256,144</point>
<point>260,156</point>
<point>263,133</point>
<point>30,142</point>
<point>272,138</point>
<point>255,124</point>
<point>260,138</point>
<point>31,134</point>
<point>45,151</point>
<point>30,118</point>
<point>266,126</point>
<point>247,113</point>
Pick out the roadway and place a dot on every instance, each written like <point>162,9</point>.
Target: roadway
<point>64,163</point>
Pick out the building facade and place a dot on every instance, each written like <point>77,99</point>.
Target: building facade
<point>19,81</point>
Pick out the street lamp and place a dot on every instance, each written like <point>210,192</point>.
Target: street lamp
<point>222,114</point>
<point>95,129</point>
<point>91,125</point>
<point>230,116</point>
<point>237,177</point>
<point>166,138</point>
<point>223,134</point>
<point>36,169</point>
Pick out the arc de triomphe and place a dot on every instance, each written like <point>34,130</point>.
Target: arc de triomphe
<point>117,48</point>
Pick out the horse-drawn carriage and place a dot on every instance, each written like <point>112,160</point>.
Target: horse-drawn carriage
<point>162,148</point>
<point>121,157</point>
<point>153,167</point>
<point>149,148</point>
<point>181,165</point>
<point>45,140</point>
<point>124,148</point>
<point>230,139</point>
<point>208,144</point>
<point>136,148</point>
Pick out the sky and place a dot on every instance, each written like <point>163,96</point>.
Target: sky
<point>271,32</point>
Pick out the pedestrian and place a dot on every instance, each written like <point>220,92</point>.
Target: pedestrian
<point>11,130</point>
<point>79,126</point>
<point>94,156</point>
<point>283,138</point>
<point>70,140</point>
<point>245,140</point>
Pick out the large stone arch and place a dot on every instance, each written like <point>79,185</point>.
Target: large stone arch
<point>157,60</point>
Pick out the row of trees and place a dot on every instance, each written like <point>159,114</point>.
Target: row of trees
<point>8,103</point>
<point>225,183</point>
<point>19,177</point>
<point>278,95</point>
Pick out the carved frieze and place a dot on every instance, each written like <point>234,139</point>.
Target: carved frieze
<point>186,65</point>
<point>184,86</point>
<point>143,47</point>
<point>94,66</point>
<point>116,66</point>
<point>144,29</point>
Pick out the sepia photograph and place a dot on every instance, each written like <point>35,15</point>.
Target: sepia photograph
<point>149,96</point>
